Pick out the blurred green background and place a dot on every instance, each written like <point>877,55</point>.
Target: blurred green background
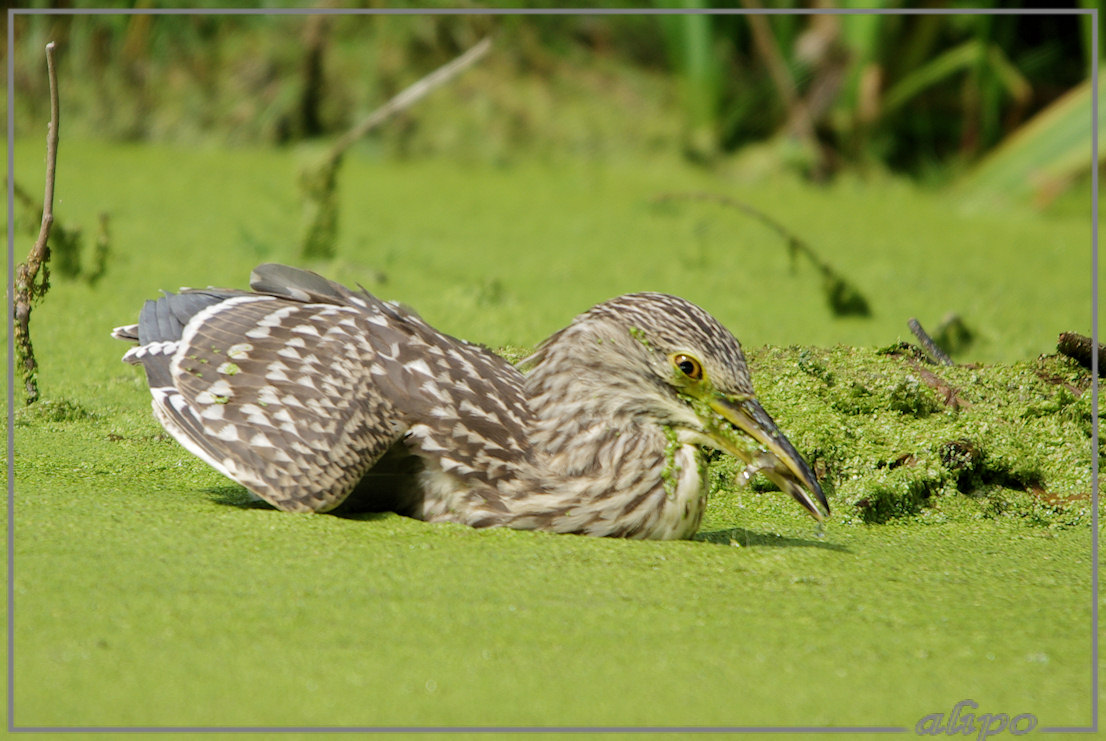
<point>924,95</point>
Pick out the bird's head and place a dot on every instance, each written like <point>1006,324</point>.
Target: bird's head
<point>660,357</point>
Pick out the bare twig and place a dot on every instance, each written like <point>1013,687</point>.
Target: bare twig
<point>407,97</point>
<point>799,120</point>
<point>936,353</point>
<point>314,79</point>
<point>26,289</point>
<point>843,297</point>
<point>1078,348</point>
<point>793,241</point>
<point>319,183</point>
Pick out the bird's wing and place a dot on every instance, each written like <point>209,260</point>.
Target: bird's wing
<point>275,393</point>
<point>464,405</point>
<point>297,389</point>
<point>430,376</point>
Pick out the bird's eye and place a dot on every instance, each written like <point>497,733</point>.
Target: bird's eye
<point>689,366</point>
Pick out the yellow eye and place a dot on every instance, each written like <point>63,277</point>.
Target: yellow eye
<point>689,366</point>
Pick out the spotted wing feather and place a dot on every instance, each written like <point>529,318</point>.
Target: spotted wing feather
<point>465,406</point>
<point>276,394</point>
<point>297,389</point>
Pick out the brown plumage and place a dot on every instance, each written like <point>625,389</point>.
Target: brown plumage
<point>310,394</point>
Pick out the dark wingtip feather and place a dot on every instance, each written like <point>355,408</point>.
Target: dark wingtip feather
<point>296,284</point>
<point>164,320</point>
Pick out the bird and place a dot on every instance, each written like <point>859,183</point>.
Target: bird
<point>317,397</point>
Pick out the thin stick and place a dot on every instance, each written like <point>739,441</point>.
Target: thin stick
<point>411,95</point>
<point>1078,348</point>
<point>793,241</point>
<point>843,297</point>
<point>319,182</point>
<point>769,50</point>
<point>26,290</point>
<point>931,348</point>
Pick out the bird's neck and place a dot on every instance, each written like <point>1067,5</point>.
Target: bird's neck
<point>611,469</point>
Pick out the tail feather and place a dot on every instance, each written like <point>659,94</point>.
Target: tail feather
<point>164,320</point>
<point>126,333</point>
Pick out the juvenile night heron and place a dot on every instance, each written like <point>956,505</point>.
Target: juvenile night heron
<point>309,394</point>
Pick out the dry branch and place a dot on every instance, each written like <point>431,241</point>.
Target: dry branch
<point>29,287</point>
<point>842,296</point>
<point>938,355</point>
<point>1080,348</point>
<point>409,96</point>
<point>319,183</point>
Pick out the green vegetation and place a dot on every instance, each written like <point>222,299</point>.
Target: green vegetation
<point>137,562</point>
<point>890,436</point>
<point>150,590</point>
<point>926,95</point>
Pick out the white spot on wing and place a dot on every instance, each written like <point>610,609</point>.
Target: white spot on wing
<point>229,433</point>
<point>306,329</point>
<point>213,411</point>
<point>418,365</point>
<point>276,371</point>
<point>292,401</point>
<point>255,415</point>
<point>274,319</point>
<point>432,388</point>
<point>179,403</point>
<point>268,395</point>
<point>220,388</point>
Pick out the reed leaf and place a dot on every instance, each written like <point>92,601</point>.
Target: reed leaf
<point>1039,160</point>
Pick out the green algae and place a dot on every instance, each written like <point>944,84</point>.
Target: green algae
<point>639,334</point>
<point>890,436</point>
<point>150,590</point>
<point>135,561</point>
<point>670,474</point>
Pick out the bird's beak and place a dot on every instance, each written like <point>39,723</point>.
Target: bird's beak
<point>780,462</point>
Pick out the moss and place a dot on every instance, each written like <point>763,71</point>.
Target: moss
<point>891,437</point>
<point>670,474</point>
<point>638,334</point>
<point>892,493</point>
<point>813,364</point>
<point>963,459</point>
<point>133,553</point>
<point>512,353</point>
<point>911,396</point>
<point>53,411</point>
